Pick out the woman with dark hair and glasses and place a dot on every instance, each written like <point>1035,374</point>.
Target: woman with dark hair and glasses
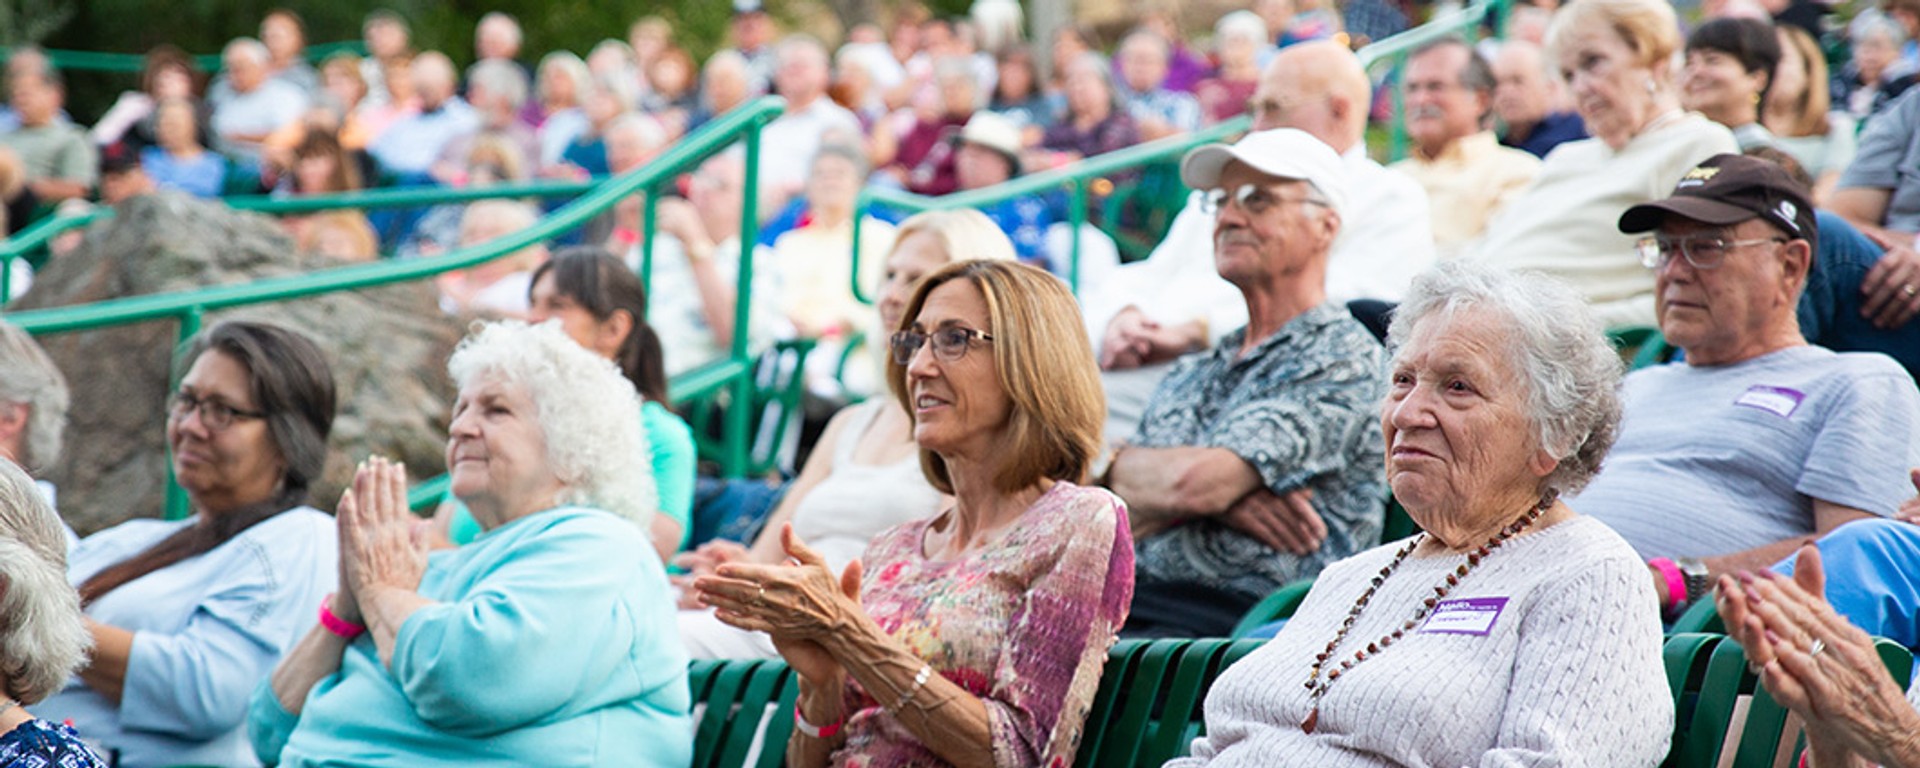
<point>187,616</point>
<point>602,306</point>
<point>980,635</point>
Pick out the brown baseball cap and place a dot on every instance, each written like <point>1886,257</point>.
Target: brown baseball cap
<point>1729,189</point>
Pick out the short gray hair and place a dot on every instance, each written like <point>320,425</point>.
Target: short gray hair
<point>28,376</point>
<point>588,411</point>
<point>569,65</point>
<point>1572,374</point>
<point>501,79</point>
<point>1240,24</point>
<point>42,637</point>
<point>1873,21</point>
<point>249,47</point>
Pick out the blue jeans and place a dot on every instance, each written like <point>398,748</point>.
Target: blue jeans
<point>1873,577</point>
<point>732,508</point>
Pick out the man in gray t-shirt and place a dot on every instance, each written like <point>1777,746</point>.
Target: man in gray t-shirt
<point>1758,442</point>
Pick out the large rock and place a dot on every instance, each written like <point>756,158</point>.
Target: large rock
<point>388,349</point>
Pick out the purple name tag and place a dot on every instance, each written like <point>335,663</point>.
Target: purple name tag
<point>1465,616</point>
<point>1778,401</point>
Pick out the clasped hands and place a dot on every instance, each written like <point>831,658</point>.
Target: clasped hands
<point>801,603</point>
<point>383,545</point>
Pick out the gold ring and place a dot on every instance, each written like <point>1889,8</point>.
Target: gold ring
<point>760,597</point>
<point>1909,289</point>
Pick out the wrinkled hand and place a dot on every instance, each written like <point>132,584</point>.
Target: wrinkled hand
<point>799,603</point>
<point>1133,339</point>
<point>703,561</point>
<point>1286,522</point>
<point>1845,695</point>
<point>1891,290</point>
<point>380,541</point>
<point>675,216</point>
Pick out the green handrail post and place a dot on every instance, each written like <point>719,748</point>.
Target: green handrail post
<point>649,211</point>
<point>1076,216</point>
<point>735,464</point>
<point>176,502</point>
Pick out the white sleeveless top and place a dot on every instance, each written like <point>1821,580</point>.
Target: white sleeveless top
<point>842,514</point>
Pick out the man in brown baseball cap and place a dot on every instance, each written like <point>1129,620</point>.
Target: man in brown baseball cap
<point>1759,441</point>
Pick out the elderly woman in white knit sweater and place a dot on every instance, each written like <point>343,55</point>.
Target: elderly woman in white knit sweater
<point>1513,630</point>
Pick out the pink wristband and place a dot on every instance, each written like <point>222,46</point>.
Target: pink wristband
<point>1676,583</point>
<point>337,625</point>
<point>827,731</point>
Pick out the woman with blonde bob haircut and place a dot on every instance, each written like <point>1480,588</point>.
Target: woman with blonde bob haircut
<point>43,638</point>
<point>981,636</point>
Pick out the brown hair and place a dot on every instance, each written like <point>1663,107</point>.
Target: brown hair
<point>318,143</point>
<point>602,285</point>
<point>1810,108</point>
<point>292,384</point>
<point>1045,365</point>
<point>165,56</point>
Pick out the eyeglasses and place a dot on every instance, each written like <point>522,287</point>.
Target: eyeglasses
<point>1252,198</point>
<point>213,413</point>
<point>1700,252</point>
<point>949,344</point>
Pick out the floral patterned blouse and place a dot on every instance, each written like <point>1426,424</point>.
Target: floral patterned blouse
<point>1023,623</point>
<point>43,744</point>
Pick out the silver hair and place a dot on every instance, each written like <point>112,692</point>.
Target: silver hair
<point>572,67</point>
<point>1873,22</point>
<point>1571,372</point>
<point>1240,24</point>
<point>248,47</point>
<point>725,61</point>
<point>29,377</point>
<point>802,45</point>
<point>624,90</point>
<point>588,412</point>
<point>498,18</point>
<point>42,637</point>
<point>500,78</point>
<point>1161,48</point>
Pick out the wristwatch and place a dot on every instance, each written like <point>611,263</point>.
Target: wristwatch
<point>1699,581</point>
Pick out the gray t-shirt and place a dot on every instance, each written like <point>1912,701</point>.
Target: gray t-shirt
<point>1888,157</point>
<point>1713,460</point>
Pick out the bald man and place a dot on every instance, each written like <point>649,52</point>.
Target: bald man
<point>1174,303</point>
<point>1530,102</point>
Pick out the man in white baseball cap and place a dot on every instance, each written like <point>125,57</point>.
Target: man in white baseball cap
<point>1237,436</point>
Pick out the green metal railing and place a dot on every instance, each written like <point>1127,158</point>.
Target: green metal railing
<point>1076,178</point>
<point>1393,52</point>
<point>735,370</point>
<point>133,63</point>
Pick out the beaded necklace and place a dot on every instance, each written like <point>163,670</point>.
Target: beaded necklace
<point>1318,685</point>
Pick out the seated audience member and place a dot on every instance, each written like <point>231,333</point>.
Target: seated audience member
<point>1531,101</point>
<point>1239,438</point>
<point>1729,67</point>
<point>854,84</point>
<point>387,39</point>
<point>1729,461</point>
<point>168,73</point>
<point>1617,55</point>
<point>496,90</point>
<point>1176,302</point>
<point>789,143</point>
<point>59,162</point>
<point>248,104</point>
<point>1095,120</point>
<point>1800,117</point>
<point>696,265</point>
<point>499,287</point>
<point>1821,667</point>
<point>400,101</point>
<point>477,655</point>
<point>1185,68</point>
<point>187,616</point>
<point>342,85</point>
<point>1875,74</point>
<point>411,144</point>
<point>285,36</point>
<point>865,477</point>
<point>1018,95</point>
<point>1238,39</point>
<point>1006,410</point>
<point>670,93</point>
<point>1157,110</point>
<point>33,412</point>
<point>560,93</point>
<point>1456,159</point>
<point>121,179</point>
<point>810,269</point>
<point>726,82</point>
<point>987,152</point>
<point>630,141</point>
<point>919,156</point>
<point>1512,630</point>
<point>609,100</point>
<point>41,629</point>
<point>603,307</point>
<point>345,235</point>
<point>1879,195</point>
<point>177,160</point>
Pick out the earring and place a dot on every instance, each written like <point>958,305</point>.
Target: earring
<point>1651,87</point>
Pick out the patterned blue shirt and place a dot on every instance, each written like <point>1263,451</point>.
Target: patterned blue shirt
<point>1176,109</point>
<point>1302,407</point>
<point>43,744</point>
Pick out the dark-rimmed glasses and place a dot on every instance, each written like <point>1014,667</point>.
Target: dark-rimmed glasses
<point>949,344</point>
<point>1700,252</point>
<point>213,413</point>
<point>1252,198</point>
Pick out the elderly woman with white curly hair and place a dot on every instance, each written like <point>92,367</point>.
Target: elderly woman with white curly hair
<point>548,640</point>
<point>42,637</point>
<point>1512,631</point>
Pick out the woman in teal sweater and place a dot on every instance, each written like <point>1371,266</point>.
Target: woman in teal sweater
<point>602,306</point>
<point>548,640</point>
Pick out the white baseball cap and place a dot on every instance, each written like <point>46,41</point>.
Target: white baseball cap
<point>1288,153</point>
